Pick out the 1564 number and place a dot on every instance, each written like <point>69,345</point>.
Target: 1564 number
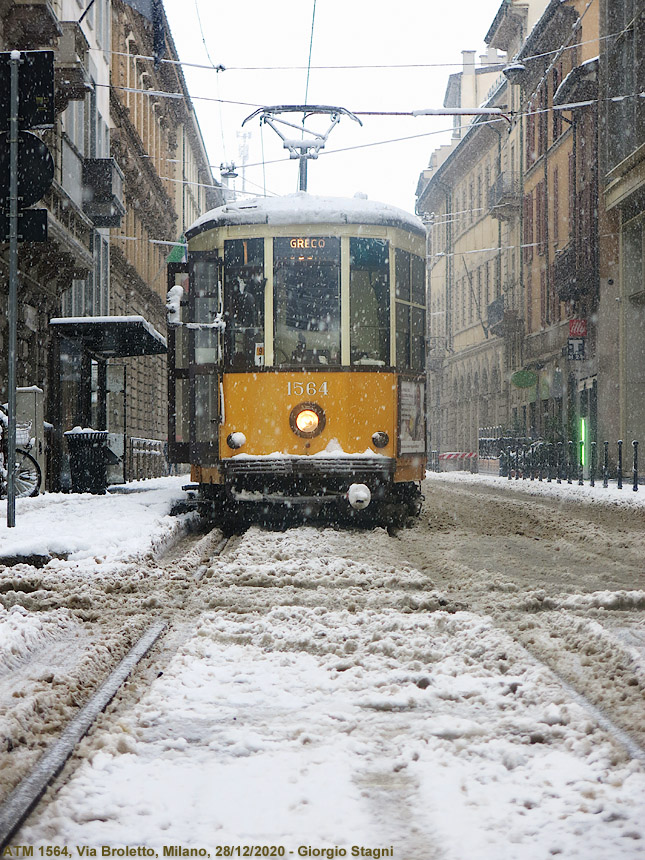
<point>311,389</point>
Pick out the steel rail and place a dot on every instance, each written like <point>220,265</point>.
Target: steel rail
<point>28,792</point>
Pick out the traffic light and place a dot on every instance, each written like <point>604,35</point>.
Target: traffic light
<point>35,167</point>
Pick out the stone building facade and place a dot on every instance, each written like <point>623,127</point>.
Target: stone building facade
<point>131,172</point>
<point>157,145</point>
<point>468,199</point>
<point>529,366</point>
<point>621,338</point>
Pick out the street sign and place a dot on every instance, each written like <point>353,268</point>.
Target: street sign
<point>35,89</point>
<point>576,349</point>
<point>577,328</point>
<point>524,378</point>
<point>32,226</point>
<point>35,169</point>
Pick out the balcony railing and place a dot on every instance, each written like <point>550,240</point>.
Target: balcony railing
<point>505,196</point>
<point>575,277</point>
<point>103,191</point>
<point>495,313</point>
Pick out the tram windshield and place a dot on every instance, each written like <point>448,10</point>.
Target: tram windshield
<point>370,301</point>
<point>307,301</point>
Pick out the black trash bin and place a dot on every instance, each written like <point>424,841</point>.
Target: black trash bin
<point>88,459</point>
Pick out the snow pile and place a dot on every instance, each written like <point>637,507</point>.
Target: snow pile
<point>84,527</point>
<point>22,633</point>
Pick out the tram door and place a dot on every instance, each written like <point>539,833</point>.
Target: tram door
<point>195,361</point>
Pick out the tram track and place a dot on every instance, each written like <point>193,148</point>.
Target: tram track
<point>60,661</point>
<point>573,603</point>
<point>394,611</point>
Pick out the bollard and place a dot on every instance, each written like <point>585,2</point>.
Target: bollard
<point>570,459</point>
<point>559,463</point>
<point>619,475</point>
<point>592,468</point>
<point>605,466</point>
<point>517,464</point>
<point>549,462</point>
<point>581,455</point>
<point>635,469</point>
<point>509,463</point>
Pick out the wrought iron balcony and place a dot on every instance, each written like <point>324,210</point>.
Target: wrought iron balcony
<point>505,196</point>
<point>103,192</point>
<point>72,77</point>
<point>495,315</point>
<point>575,276</point>
<point>501,321</point>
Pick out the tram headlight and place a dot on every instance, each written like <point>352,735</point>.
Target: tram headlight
<point>307,420</point>
<point>380,439</point>
<point>235,440</point>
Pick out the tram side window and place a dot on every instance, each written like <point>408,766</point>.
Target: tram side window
<point>307,301</point>
<point>204,275</point>
<point>369,302</point>
<point>244,284</point>
<point>410,311</point>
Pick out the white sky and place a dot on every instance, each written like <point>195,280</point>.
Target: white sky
<point>346,32</point>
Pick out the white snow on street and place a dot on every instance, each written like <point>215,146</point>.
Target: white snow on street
<point>94,528</point>
<point>310,707</point>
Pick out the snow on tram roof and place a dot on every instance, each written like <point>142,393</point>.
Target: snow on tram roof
<point>303,208</point>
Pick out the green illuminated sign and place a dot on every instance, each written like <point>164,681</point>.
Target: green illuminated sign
<point>583,439</point>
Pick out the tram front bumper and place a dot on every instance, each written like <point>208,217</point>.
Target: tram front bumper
<point>305,481</point>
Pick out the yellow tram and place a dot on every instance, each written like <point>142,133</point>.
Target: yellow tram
<point>297,357</point>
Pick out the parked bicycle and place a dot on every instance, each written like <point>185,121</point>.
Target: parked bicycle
<point>27,474</point>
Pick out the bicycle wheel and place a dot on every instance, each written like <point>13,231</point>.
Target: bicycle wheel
<point>27,475</point>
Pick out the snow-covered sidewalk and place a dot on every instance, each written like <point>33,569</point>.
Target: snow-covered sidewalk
<point>573,492</point>
<point>95,529</point>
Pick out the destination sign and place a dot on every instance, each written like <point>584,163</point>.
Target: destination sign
<point>307,248</point>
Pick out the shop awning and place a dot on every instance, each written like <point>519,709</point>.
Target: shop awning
<point>112,337</point>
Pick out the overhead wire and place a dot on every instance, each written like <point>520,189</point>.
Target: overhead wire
<point>402,139</point>
<point>217,69</point>
<point>311,44</point>
<point>495,117</point>
<point>263,163</point>
<point>357,66</point>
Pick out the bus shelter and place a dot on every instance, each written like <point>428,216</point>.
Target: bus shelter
<point>81,350</point>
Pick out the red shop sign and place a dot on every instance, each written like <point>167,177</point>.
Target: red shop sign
<point>577,328</point>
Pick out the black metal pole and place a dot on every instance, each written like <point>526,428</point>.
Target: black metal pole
<point>581,456</point>
<point>12,308</point>
<point>594,462</point>
<point>570,459</point>
<point>605,465</point>
<point>620,465</point>
<point>635,470</point>
<point>549,463</point>
<point>559,463</point>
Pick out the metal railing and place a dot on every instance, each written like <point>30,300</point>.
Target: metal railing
<point>146,459</point>
<point>570,462</point>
